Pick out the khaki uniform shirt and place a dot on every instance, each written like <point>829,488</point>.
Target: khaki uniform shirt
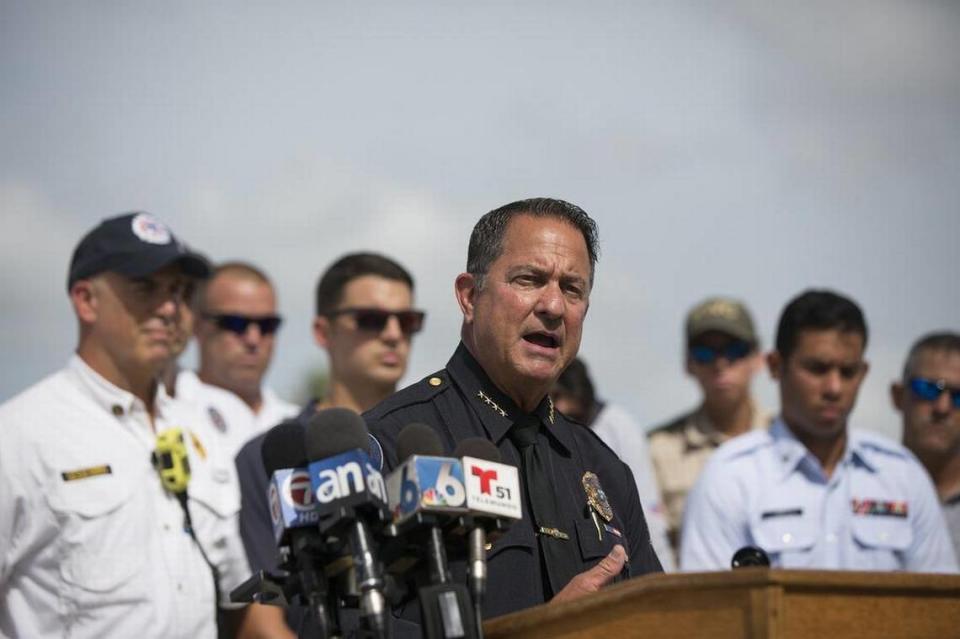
<point>679,450</point>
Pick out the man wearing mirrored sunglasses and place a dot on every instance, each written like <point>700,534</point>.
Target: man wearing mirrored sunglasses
<point>365,321</point>
<point>722,355</point>
<point>236,326</point>
<point>928,395</point>
<point>810,491</point>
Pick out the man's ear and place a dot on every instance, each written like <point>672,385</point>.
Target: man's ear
<point>83,296</point>
<point>321,331</point>
<point>775,364</point>
<point>896,395</point>
<point>465,288</point>
<point>756,362</point>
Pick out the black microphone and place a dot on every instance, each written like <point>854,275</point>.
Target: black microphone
<point>750,556</point>
<point>294,518</point>
<point>349,493</point>
<point>426,495</point>
<point>476,535</point>
<point>493,503</point>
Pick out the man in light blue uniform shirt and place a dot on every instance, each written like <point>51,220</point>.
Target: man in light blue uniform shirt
<point>811,492</point>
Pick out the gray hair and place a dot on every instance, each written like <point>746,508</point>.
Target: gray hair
<point>486,240</point>
<point>945,341</point>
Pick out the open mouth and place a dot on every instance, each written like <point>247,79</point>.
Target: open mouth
<point>542,339</point>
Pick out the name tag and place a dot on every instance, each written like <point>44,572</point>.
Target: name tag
<point>788,512</point>
<point>84,473</point>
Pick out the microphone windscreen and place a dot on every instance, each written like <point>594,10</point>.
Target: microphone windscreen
<point>418,439</point>
<point>479,448</point>
<point>333,431</point>
<point>283,447</point>
<point>750,556</point>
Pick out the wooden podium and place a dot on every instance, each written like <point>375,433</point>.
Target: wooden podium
<point>752,603</point>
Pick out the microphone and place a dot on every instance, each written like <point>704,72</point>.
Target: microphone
<point>294,517</point>
<point>750,556</point>
<point>349,491</point>
<point>493,499</point>
<point>289,494</point>
<point>426,487</point>
<point>427,492</point>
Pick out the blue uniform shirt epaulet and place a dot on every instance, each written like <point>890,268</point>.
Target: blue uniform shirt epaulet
<point>743,444</point>
<point>868,442</point>
<point>417,393</point>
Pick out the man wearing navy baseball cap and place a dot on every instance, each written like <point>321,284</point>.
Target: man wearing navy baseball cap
<point>92,542</point>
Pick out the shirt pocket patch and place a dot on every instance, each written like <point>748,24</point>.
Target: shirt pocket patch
<point>781,532</point>
<point>593,545</point>
<point>873,532</point>
<point>102,531</point>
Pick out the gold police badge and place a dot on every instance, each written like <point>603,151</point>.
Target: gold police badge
<point>596,498</point>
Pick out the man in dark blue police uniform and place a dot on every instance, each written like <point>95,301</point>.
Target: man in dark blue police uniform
<point>525,294</point>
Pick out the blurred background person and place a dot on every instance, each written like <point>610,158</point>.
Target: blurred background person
<point>236,326</point>
<point>574,396</point>
<point>365,321</point>
<point>93,542</point>
<point>928,395</point>
<point>810,491</point>
<point>723,357</point>
<point>182,333</point>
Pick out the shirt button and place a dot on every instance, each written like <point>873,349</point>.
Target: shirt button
<point>884,536</point>
<point>787,538</point>
<point>832,538</point>
<point>117,410</point>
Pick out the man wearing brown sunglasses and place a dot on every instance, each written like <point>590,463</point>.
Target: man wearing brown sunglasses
<point>365,322</point>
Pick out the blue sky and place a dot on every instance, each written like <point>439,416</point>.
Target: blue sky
<point>742,148</point>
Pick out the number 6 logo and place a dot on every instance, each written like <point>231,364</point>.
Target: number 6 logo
<point>449,486</point>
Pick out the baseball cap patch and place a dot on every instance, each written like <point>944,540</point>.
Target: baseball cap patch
<point>150,229</point>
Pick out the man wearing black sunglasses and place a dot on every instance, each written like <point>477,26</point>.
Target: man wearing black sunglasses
<point>722,355</point>
<point>365,321</point>
<point>928,395</point>
<point>236,326</point>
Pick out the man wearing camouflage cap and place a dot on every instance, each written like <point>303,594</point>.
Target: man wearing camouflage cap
<point>92,542</point>
<point>722,356</point>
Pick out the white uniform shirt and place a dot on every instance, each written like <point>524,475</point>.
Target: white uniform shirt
<point>229,414</point>
<point>91,545</point>
<point>878,510</point>
<point>626,437</point>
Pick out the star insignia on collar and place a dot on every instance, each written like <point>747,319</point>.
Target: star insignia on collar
<point>492,404</point>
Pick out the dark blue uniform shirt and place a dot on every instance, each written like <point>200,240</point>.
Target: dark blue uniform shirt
<point>461,402</point>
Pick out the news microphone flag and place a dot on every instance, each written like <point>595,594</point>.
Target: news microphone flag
<point>492,488</point>
<point>291,501</point>
<point>426,484</point>
<point>347,479</point>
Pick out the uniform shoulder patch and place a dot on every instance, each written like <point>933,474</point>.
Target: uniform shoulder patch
<point>870,442</point>
<point>417,393</point>
<point>743,444</point>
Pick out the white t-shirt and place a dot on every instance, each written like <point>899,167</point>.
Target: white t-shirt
<point>229,415</point>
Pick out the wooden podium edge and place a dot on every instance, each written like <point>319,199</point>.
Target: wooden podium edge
<point>770,582</point>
